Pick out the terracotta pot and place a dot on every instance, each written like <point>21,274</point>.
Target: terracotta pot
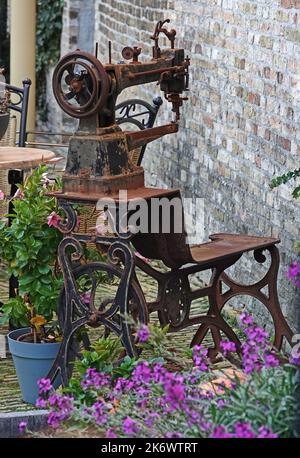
<point>4,119</point>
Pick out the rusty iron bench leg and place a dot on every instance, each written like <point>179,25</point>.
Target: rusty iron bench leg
<point>174,305</point>
<point>218,323</point>
<point>174,301</point>
<point>270,300</point>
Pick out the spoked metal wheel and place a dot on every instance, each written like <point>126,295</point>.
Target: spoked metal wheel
<point>97,284</point>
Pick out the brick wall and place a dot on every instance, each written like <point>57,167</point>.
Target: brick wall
<point>240,127</point>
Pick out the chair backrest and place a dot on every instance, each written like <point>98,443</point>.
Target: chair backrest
<point>21,106</point>
<point>139,114</point>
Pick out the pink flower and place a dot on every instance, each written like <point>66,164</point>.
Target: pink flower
<point>18,194</point>
<point>53,219</point>
<point>2,195</point>
<point>138,255</point>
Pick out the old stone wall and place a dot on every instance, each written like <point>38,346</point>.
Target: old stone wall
<point>240,127</point>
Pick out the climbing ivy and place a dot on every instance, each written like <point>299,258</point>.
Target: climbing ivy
<point>292,174</point>
<point>48,34</point>
<point>4,38</point>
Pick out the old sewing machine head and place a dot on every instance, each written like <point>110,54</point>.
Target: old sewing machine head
<point>98,158</point>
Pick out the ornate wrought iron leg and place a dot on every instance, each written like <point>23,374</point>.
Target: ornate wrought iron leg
<point>74,313</point>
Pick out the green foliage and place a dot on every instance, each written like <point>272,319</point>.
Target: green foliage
<point>293,174</point>
<point>104,353</point>
<point>29,247</point>
<point>265,398</point>
<point>48,34</point>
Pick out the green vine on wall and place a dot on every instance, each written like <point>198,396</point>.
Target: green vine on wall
<point>48,34</point>
<point>4,38</point>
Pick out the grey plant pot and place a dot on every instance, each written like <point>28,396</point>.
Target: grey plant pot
<point>4,119</point>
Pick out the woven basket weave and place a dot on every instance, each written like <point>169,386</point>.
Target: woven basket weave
<point>88,219</point>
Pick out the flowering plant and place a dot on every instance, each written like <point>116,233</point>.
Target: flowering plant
<point>29,248</point>
<point>154,401</point>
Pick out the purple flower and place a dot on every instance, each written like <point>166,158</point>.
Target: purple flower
<point>293,273</point>
<point>44,385</point>
<point>158,373</point>
<point>22,427</point>
<point>246,319</point>
<point>130,427</point>
<point>143,333</point>
<point>173,435</point>
<point>244,431</point>
<point>95,379</point>
<point>86,297</point>
<point>295,359</point>
<point>98,413</point>
<point>220,403</point>
<point>175,391</point>
<point>54,419</point>
<point>123,385</point>
<point>293,270</point>
<point>266,433</point>
<point>200,358</point>
<point>220,432</point>
<point>271,360</point>
<point>227,347</point>
<point>110,434</point>
<point>142,373</point>
<point>42,403</point>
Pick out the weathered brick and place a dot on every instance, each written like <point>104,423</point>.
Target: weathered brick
<point>292,35</point>
<point>285,143</point>
<point>290,3</point>
<point>254,98</point>
<point>266,42</point>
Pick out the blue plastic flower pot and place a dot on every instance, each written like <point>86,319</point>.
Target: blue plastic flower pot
<point>32,362</point>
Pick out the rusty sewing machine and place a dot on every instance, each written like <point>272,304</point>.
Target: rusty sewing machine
<point>98,156</point>
<point>99,165</point>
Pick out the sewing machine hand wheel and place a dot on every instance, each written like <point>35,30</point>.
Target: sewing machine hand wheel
<point>80,84</point>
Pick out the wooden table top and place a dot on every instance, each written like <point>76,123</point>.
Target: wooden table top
<point>23,158</point>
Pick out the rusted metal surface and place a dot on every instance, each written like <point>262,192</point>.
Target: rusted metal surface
<point>88,90</point>
<point>99,166</point>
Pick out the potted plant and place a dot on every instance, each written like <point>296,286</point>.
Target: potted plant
<point>4,114</point>
<point>29,248</point>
